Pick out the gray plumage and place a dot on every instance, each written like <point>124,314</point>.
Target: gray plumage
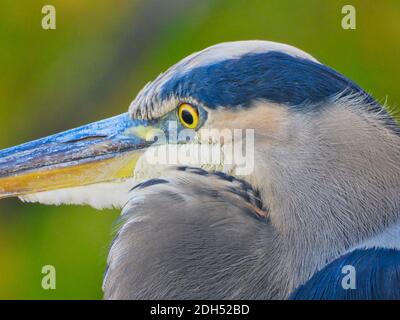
<point>205,239</point>
<point>327,181</point>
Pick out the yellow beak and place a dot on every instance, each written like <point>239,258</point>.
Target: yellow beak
<point>103,151</point>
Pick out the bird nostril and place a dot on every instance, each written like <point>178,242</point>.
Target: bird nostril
<point>86,139</point>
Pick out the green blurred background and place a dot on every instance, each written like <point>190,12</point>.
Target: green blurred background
<point>94,63</point>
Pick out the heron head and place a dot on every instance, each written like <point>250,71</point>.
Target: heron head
<point>256,96</point>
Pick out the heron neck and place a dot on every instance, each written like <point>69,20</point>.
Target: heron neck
<point>330,186</point>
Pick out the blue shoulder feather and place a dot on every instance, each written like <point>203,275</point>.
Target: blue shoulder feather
<point>377,277</point>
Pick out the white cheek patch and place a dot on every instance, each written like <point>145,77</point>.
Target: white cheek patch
<point>155,162</point>
<point>100,196</point>
<point>106,195</point>
<point>202,154</point>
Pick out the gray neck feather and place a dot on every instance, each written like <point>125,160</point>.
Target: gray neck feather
<point>328,187</point>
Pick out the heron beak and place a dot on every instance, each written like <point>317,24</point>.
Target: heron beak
<point>99,152</point>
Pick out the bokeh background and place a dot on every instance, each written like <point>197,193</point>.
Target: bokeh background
<point>94,63</point>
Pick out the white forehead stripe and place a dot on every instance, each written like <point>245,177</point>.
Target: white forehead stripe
<point>236,49</point>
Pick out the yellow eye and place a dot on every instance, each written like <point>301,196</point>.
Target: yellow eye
<point>188,115</point>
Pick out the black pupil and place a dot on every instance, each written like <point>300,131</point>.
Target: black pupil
<point>187,117</point>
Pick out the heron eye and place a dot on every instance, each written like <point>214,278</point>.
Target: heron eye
<point>188,115</point>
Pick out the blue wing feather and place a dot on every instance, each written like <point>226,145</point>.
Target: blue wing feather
<point>377,277</point>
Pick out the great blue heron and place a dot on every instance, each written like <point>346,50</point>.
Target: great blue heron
<point>321,198</point>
